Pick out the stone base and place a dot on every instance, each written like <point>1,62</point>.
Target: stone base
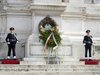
<point>35,60</point>
<point>40,63</point>
<point>44,60</point>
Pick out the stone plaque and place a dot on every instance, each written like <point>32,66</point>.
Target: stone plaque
<point>37,50</point>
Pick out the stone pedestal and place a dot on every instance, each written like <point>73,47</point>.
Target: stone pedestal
<point>69,50</point>
<point>40,10</point>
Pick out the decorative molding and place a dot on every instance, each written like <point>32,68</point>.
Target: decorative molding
<point>26,8</point>
<point>66,15</point>
<point>3,14</point>
<point>19,13</point>
<point>15,9</point>
<point>48,7</point>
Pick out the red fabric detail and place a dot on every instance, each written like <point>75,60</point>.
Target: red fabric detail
<point>91,62</point>
<point>11,61</point>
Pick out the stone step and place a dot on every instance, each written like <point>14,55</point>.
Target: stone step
<point>44,63</point>
<point>50,73</point>
<point>49,69</point>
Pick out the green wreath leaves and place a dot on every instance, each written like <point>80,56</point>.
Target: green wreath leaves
<point>44,34</point>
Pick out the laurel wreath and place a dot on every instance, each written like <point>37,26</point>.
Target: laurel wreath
<point>44,34</point>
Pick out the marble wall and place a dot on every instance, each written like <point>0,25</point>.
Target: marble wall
<point>22,24</point>
<point>75,20</point>
<point>72,25</point>
<point>23,28</point>
<point>94,26</point>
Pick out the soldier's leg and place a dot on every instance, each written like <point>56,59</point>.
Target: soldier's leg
<point>89,51</point>
<point>13,49</point>
<point>9,50</point>
<point>86,50</point>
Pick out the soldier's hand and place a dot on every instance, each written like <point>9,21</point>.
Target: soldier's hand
<point>84,44</point>
<point>8,42</point>
<point>17,41</point>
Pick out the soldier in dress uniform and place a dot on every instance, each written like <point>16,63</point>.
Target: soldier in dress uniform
<point>88,43</point>
<point>11,42</point>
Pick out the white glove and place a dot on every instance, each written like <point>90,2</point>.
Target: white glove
<point>17,41</point>
<point>8,42</point>
<point>84,44</point>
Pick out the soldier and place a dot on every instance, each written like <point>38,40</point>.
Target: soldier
<point>88,43</point>
<point>11,42</point>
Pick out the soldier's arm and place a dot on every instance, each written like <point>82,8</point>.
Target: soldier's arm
<point>84,40</point>
<point>7,38</point>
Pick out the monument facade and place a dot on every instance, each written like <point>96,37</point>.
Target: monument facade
<point>74,17</point>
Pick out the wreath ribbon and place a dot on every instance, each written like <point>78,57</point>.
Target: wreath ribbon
<point>54,48</point>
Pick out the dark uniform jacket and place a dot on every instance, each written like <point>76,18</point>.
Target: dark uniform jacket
<point>87,40</point>
<point>11,38</point>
